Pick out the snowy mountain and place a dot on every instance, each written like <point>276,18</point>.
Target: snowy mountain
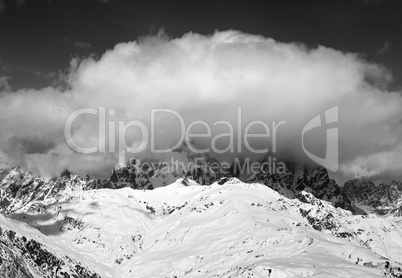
<point>25,252</point>
<point>298,178</point>
<point>79,227</point>
<point>384,199</point>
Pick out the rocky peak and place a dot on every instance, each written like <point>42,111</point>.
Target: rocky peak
<point>66,174</point>
<point>381,199</point>
<point>299,177</point>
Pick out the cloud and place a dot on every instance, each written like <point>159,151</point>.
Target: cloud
<point>385,48</point>
<point>83,45</point>
<point>207,78</point>
<point>4,83</point>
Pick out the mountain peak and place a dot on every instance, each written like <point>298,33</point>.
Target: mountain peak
<point>65,174</point>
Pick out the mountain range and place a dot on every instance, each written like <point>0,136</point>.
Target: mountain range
<point>197,222</point>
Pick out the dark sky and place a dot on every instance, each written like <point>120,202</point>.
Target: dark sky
<point>38,38</point>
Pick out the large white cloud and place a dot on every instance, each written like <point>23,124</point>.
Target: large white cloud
<point>207,78</point>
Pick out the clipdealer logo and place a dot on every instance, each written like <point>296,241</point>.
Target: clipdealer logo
<point>331,156</point>
<point>119,128</point>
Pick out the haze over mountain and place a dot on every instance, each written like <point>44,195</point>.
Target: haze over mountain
<point>206,78</point>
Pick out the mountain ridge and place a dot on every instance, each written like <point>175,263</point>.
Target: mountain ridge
<point>184,229</point>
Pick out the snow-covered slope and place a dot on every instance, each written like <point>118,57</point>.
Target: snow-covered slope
<point>228,229</point>
<point>25,252</point>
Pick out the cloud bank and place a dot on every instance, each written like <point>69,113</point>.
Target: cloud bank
<point>207,78</point>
